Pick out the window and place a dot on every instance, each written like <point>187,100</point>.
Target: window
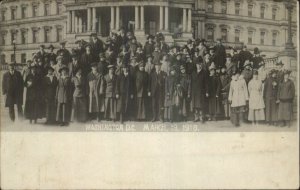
<point>237,8</point>
<point>13,14</point>
<point>59,8</point>
<point>210,34</point>
<point>262,11</point>
<point>13,37</point>
<point>35,36</point>
<point>12,58</point>
<point>224,34</point>
<point>250,37</point>
<point>24,12</point>
<point>47,9</point>
<point>250,9</point>
<point>35,10</point>
<point>224,7</point>
<point>262,37</point>
<point>59,34</point>
<point>47,35</point>
<point>237,35</point>
<point>24,37</point>
<point>210,6</point>
<point>3,13</point>
<point>3,37</point>
<point>274,11</point>
<point>23,58</point>
<point>274,38</point>
<point>2,59</point>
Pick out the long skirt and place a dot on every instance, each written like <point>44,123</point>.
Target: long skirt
<point>237,114</point>
<point>214,107</point>
<point>63,112</point>
<point>141,108</point>
<point>256,115</point>
<point>50,111</point>
<point>110,108</point>
<point>31,110</point>
<point>271,110</point>
<point>183,109</point>
<point>285,111</point>
<point>79,112</point>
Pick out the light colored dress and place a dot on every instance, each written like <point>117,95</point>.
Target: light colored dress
<point>256,101</point>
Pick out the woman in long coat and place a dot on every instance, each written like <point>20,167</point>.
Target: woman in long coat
<point>285,96</point>
<point>141,86</point>
<point>33,100</point>
<point>185,85</point>
<point>64,97</point>
<point>225,82</point>
<point>199,89</point>
<point>256,101</point>
<point>50,85</point>
<point>214,100</point>
<point>238,97</point>
<point>79,112</point>
<point>95,92</point>
<point>270,95</point>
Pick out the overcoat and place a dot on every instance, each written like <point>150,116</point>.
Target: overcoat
<point>199,88</point>
<point>50,92</point>
<point>125,88</point>
<point>79,99</point>
<point>13,87</point>
<point>220,55</point>
<point>141,90</point>
<point>95,92</point>
<point>172,91</point>
<point>286,94</point>
<point>214,99</point>
<point>243,56</point>
<point>270,95</point>
<point>96,47</point>
<point>256,101</point>
<point>86,61</point>
<point>64,90</point>
<point>238,92</point>
<point>148,49</point>
<point>66,55</point>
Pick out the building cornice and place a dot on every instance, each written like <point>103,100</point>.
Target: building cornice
<point>32,20</point>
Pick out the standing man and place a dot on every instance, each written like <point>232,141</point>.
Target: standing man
<point>96,46</point>
<point>141,86</point>
<point>199,92</point>
<point>243,56</point>
<point>12,88</point>
<point>156,91</point>
<point>220,54</point>
<point>66,55</point>
<point>51,55</point>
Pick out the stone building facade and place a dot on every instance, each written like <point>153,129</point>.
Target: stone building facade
<point>25,24</point>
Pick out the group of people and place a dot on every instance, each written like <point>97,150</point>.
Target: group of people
<point>121,79</point>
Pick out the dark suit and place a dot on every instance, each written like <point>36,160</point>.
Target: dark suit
<point>220,55</point>
<point>157,89</point>
<point>109,84</point>
<point>66,55</point>
<point>96,48</point>
<point>50,92</point>
<point>64,99</point>
<point>141,89</point>
<point>13,87</point>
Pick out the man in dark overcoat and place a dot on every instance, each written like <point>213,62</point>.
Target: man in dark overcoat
<point>125,92</point>
<point>156,91</point>
<point>149,46</point>
<point>64,53</point>
<point>220,54</point>
<point>51,55</point>
<point>243,56</point>
<point>42,55</point>
<point>199,92</point>
<point>96,46</point>
<point>12,89</point>
<point>141,88</point>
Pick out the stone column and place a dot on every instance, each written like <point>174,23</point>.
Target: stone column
<point>161,17</point>
<point>112,18</point>
<point>69,21</point>
<point>88,19</point>
<point>94,19</point>
<point>166,18</point>
<point>117,18</point>
<point>76,24</point>
<point>42,34</point>
<point>30,36</point>
<point>80,23</point>
<point>73,21</point>
<point>189,24</point>
<point>184,21</point>
<point>136,15</point>
<point>142,18</point>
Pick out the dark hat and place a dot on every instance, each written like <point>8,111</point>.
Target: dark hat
<point>256,50</point>
<point>219,39</point>
<point>279,63</point>
<point>244,46</point>
<point>287,72</point>
<point>51,46</point>
<point>75,55</point>
<point>189,41</point>
<point>63,68</point>
<point>62,42</point>
<point>88,45</point>
<point>212,67</point>
<point>124,66</point>
<point>173,68</point>
<point>228,55</point>
<point>50,68</point>
<point>202,40</point>
<point>93,35</point>
<point>42,45</point>
<point>157,63</point>
<point>182,67</point>
<point>212,48</point>
<point>102,55</point>
<point>33,67</point>
<point>78,70</point>
<point>142,64</point>
<point>273,71</point>
<point>59,57</point>
<point>248,63</point>
<point>196,50</point>
<point>235,71</point>
<point>110,66</point>
<point>94,64</point>
<point>150,36</point>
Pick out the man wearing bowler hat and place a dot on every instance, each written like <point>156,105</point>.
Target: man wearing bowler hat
<point>12,89</point>
<point>51,55</point>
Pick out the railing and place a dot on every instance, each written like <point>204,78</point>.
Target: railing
<point>4,67</point>
<point>270,62</point>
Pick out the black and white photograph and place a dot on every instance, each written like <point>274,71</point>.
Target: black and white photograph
<point>160,67</point>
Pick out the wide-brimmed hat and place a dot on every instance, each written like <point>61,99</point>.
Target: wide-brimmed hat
<point>59,58</point>
<point>256,50</point>
<point>287,72</point>
<point>93,34</point>
<point>228,55</point>
<point>94,64</point>
<point>42,46</point>
<point>150,36</point>
<point>141,64</point>
<point>49,68</point>
<point>62,42</point>
<point>255,72</point>
<point>51,46</point>
<point>247,63</point>
<point>273,71</point>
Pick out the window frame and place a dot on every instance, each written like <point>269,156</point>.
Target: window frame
<point>262,37</point>
<point>237,38</point>
<point>237,7</point>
